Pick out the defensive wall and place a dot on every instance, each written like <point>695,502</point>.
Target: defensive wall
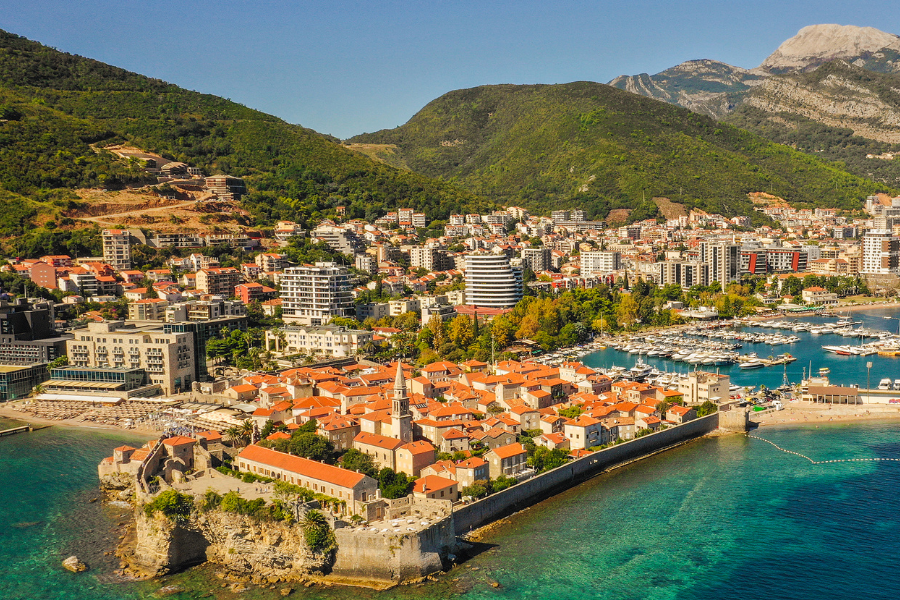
<point>365,556</point>
<point>527,493</point>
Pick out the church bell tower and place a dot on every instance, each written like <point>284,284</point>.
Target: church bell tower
<point>401,418</point>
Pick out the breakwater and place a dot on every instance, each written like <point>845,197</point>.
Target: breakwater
<point>532,491</point>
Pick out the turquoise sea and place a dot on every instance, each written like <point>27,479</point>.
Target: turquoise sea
<point>720,518</point>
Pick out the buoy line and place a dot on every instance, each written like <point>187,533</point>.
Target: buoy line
<point>821,462</point>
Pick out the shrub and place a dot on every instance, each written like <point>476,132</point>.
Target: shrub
<point>172,504</point>
<point>319,536</point>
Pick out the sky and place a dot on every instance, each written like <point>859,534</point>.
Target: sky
<point>348,67</point>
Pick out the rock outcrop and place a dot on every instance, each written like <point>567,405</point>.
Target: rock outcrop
<point>705,86</point>
<point>780,83</point>
<point>118,486</point>
<point>841,97</point>
<point>74,564</point>
<point>262,549</point>
<point>268,552</point>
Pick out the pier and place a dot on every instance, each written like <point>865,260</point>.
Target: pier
<point>21,429</point>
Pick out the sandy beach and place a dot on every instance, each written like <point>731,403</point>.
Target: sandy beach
<point>841,308</point>
<point>809,412</point>
<point>14,410</point>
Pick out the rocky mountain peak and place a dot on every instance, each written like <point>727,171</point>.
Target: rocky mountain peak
<point>819,43</point>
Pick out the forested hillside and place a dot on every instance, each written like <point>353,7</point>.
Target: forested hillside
<point>57,110</point>
<point>592,145</point>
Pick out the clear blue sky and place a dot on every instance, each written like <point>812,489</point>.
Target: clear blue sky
<point>350,67</point>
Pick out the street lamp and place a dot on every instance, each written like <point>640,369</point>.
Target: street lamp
<point>868,382</point>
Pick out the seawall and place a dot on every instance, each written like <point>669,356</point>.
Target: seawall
<point>527,493</point>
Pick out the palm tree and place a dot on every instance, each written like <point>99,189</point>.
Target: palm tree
<point>248,429</point>
<point>233,434</point>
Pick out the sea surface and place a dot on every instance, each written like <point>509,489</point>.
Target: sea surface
<point>845,370</point>
<point>719,518</point>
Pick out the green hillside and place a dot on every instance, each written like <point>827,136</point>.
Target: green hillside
<point>55,106</point>
<point>592,145</point>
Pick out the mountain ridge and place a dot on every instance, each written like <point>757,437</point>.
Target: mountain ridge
<point>595,146</point>
<point>715,88</point>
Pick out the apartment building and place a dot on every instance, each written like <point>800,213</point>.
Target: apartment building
<point>315,294</point>
<point>600,263</point>
<point>491,281</point>
<point>218,280</point>
<point>724,260</point>
<point>699,386</point>
<point>117,248</point>
<point>204,310</point>
<point>270,261</point>
<point>167,358</point>
<point>684,273</point>
<point>881,253</point>
<point>536,259</point>
<point>321,340</point>
<point>27,336</point>
<point>148,309</point>
<point>226,187</point>
<point>338,238</point>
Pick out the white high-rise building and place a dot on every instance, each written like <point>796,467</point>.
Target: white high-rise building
<point>117,248</point>
<point>315,294</point>
<point>881,253</point>
<point>491,281</point>
<point>600,263</point>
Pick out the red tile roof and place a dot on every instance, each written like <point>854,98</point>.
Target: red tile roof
<point>179,440</point>
<point>420,447</point>
<point>510,450</point>
<point>301,466</point>
<point>432,483</point>
<point>372,439</point>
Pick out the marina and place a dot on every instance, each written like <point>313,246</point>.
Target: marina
<point>832,346</point>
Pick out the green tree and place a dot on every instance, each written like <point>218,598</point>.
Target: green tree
<point>354,460</point>
<point>311,445</point>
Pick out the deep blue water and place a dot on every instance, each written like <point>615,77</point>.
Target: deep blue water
<point>845,370</point>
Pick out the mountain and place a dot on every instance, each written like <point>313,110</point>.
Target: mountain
<point>59,111</point>
<point>592,145</point>
<point>714,88</point>
<point>708,87</point>
<point>837,111</point>
<point>815,45</point>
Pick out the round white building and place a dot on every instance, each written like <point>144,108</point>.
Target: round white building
<point>491,281</point>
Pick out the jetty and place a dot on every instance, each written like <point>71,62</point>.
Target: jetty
<point>21,429</point>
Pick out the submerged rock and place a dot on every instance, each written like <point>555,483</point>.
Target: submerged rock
<point>169,590</point>
<point>74,564</point>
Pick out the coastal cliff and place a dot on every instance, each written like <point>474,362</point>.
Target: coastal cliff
<point>266,550</point>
